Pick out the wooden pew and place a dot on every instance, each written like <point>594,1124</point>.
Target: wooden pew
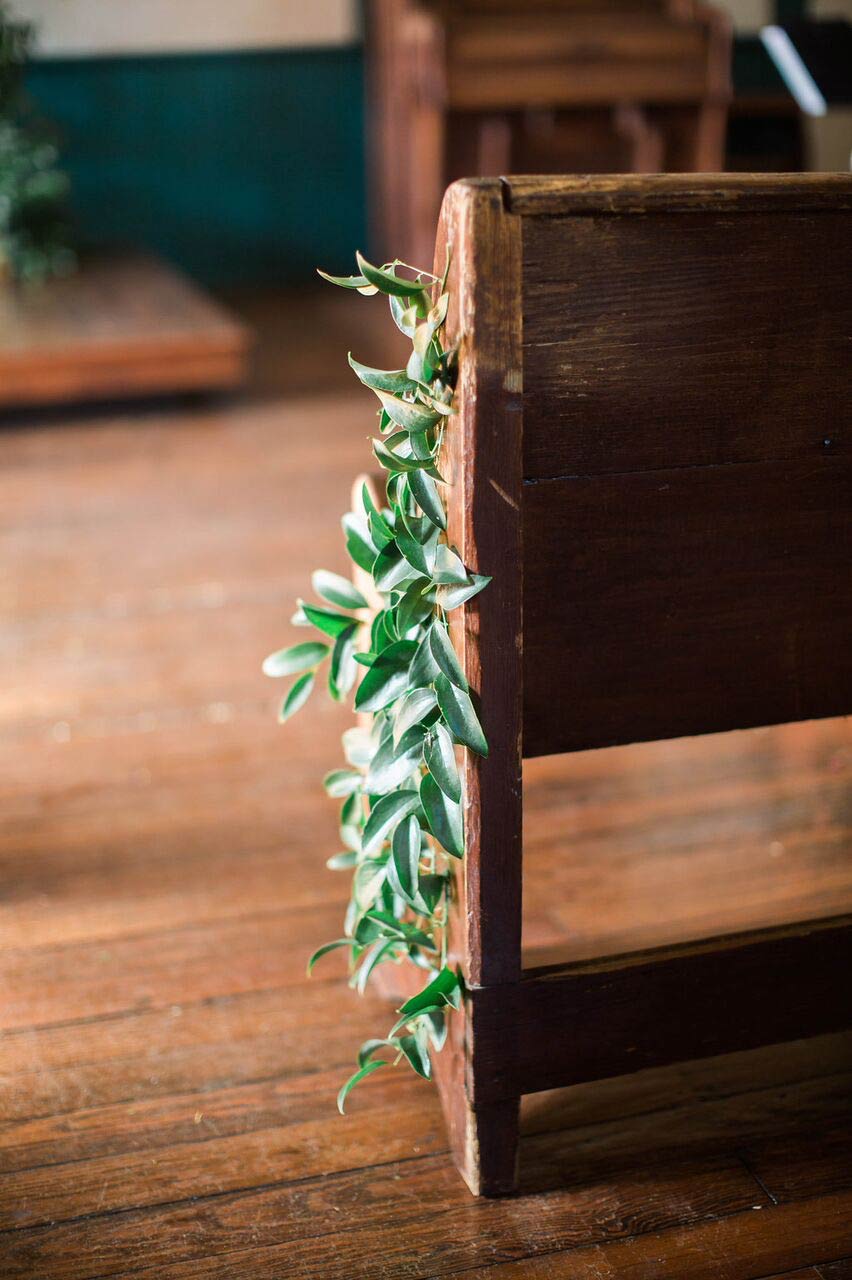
<point>486,87</point>
<point>651,457</point>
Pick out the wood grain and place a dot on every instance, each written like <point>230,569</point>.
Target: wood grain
<point>167,1088</point>
<point>686,601</point>
<point>698,339</point>
<point>552,195</point>
<point>120,326</point>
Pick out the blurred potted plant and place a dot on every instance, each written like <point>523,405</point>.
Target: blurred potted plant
<point>34,232</point>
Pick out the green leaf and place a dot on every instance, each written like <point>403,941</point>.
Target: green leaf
<point>412,608</point>
<point>386,815</point>
<point>457,710</point>
<point>374,957</point>
<point>445,656</point>
<point>443,815</point>
<point>405,857</point>
<point>440,760</point>
<point>357,747</point>
<point>430,888</point>
<point>417,1055</point>
<point>328,620</point>
<point>360,1074</point>
<point>417,539</point>
<point>426,495</point>
<point>387,678</point>
<point>404,316</point>
<point>413,708</point>
<point>387,281</point>
<point>442,990</point>
<point>350,282</point>
<point>451,597</point>
<point>324,950</point>
<point>369,1047</point>
<point>383,925</point>
<point>342,861</point>
<point>393,380</point>
<point>390,568</point>
<point>366,884</point>
<point>408,414</point>
<point>359,544</point>
<point>394,763</point>
<point>394,463</point>
<point>286,662</point>
<point>380,531</point>
<point>449,567</point>
<point>343,671</point>
<point>341,782</point>
<point>297,697</point>
<point>424,669</point>
<point>337,590</point>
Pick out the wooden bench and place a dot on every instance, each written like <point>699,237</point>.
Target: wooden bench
<point>649,457</point>
<point>486,87</point>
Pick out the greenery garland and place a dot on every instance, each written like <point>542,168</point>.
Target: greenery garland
<point>401,817</point>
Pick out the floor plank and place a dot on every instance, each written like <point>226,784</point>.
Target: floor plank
<point>167,1071</point>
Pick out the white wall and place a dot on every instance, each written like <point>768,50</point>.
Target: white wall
<point>79,27</point>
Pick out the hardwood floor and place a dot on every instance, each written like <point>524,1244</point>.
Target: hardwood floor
<point>168,1073</point>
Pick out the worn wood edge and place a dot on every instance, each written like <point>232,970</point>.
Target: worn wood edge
<point>484,245</point>
<point>588,194</point>
<point>716,984</point>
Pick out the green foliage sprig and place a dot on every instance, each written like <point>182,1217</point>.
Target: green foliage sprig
<point>401,817</point>
<point>34,238</point>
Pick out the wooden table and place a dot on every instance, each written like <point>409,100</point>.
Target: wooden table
<point>121,326</point>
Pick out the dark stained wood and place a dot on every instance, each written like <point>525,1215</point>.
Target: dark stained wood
<point>556,195</point>
<point>463,90</point>
<point>662,341</point>
<point>483,459</point>
<point>120,326</point>
<point>606,1017</point>
<point>168,1074</point>
<point>686,601</point>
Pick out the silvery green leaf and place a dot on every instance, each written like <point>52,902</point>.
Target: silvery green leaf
<point>341,782</point>
<point>378,952</point>
<point>337,590</point>
<point>324,950</point>
<point>297,697</point>
<point>404,316</point>
<point>394,762</point>
<point>360,283</point>
<point>417,1055</point>
<point>449,567</point>
<point>412,608</point>
<point>419,554</point>
<point>386,815</point>
<point>343,669</point>
<point>445,656</point>
<point>409,415</point>
<point>405,858</point>
<point>443,816</point>
<point>390,568</point>
<point>426,496</point>
<point>424,669</point>
<point>394,381</point>
<point>451,597</point>
<point>457,710</point>
<point>357,747</point>
<point>342,861</point>
<point>360,1074</point>
<point>412,709</point>
<point>359,543</point>
<point>366,883</point>
<point>395,462</point>
<point>299,657</point>
<point>440,757</point>
<point>387,281</point>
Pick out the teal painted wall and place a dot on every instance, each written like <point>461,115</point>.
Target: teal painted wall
<point>241,167</point>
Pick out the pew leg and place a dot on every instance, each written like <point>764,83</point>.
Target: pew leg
<point>483,1140</point>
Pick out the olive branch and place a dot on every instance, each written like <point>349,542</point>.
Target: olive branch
<point>401,818</point>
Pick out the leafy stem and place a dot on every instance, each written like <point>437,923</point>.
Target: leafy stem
<point>385,635</point>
